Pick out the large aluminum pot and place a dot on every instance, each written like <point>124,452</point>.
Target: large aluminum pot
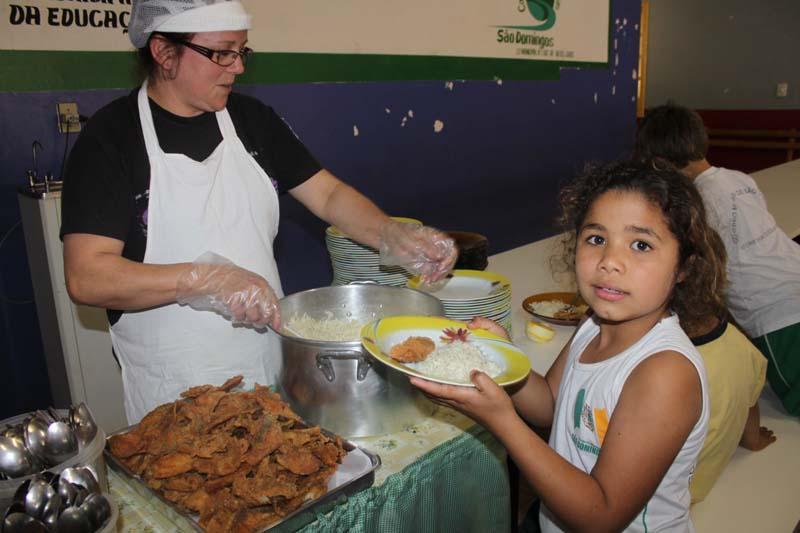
<point>338,385</point>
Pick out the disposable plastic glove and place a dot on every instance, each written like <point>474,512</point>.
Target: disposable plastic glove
<point>419,249</point>
<point>214,283</point>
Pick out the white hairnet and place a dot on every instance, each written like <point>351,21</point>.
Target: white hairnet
<point>184,16</point>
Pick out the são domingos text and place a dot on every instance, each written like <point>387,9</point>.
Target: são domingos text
<point>518,37</point>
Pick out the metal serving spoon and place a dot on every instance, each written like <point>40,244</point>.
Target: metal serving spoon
<point>35,432</point>
<point>15,461</point>
<point>61,443</point>
<point>52,509</point>
<point>97,508</point>
<point>67,491</point>
<point>73,520</point>
<point>81,476</point>
<point>16,521</point>
<point>83,424</point>
<point>38,496</point>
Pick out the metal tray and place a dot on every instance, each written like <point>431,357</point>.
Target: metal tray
<point>352,483</point>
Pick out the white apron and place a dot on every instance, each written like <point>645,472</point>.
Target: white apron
<point>227,205</point>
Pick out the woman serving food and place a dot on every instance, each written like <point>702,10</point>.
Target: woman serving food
<point>170,209</point>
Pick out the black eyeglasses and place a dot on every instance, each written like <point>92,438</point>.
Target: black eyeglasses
<point>223,58</point>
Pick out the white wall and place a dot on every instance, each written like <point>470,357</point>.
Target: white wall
<point>723,54</point>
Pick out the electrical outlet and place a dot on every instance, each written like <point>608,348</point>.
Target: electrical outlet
<point>782,89</point>
<point>69,120</point>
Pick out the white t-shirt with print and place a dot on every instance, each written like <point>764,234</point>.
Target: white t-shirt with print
<point>587,397</point>
<point>763,262</point>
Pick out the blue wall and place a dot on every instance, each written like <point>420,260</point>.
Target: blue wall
<point>495,167</point>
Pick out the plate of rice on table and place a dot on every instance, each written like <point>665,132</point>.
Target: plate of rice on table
<point>561,308</point>
<point>443,350</point>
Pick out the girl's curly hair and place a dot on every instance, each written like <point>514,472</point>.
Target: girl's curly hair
<point>702,257</point>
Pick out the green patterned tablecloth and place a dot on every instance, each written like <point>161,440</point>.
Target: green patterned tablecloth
<point>444,473</point>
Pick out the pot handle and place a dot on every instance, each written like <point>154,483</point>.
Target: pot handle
<point>325,366</point>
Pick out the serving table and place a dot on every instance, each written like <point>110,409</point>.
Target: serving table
<point>529,270</point>
<point>443,473</point>
<point>432,475</point>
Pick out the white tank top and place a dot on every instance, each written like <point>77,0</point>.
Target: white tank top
<point>586,400</point>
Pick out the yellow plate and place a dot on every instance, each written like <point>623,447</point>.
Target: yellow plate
<point>379,336</point>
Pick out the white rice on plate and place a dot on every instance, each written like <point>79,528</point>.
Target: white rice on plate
<point>551,308</point>
<point>455,361</point>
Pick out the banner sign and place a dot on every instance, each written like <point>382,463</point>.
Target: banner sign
<point>88,25</point>
<point>346,40</point>
<point>554,30</point>
<point>550,30</point>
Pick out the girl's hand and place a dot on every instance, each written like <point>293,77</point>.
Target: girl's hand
<point>491,326</point>
<point>487,403</point>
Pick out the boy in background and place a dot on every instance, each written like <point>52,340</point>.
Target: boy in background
<point>763,262</point>
<point>674,136</point>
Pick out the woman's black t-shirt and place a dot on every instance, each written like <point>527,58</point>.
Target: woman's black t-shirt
<point>107,178</point>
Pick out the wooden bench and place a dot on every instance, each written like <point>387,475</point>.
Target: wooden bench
<point>788,140</point>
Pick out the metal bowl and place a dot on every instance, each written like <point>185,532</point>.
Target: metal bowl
<point>335,384</point>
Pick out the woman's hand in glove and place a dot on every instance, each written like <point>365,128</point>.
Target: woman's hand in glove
<point>419,249</point>
<point>213,283</point>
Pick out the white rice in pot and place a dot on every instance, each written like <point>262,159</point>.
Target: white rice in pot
<point>326,329</point>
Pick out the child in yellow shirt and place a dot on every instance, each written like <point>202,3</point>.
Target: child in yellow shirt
<point>736,372</point>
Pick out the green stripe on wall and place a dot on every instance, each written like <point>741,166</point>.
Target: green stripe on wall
<point>349,67</point>
<point>55,70</point>
<point>58,70</point>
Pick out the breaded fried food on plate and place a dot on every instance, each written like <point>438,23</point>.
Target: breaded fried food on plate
<point>412,350</point>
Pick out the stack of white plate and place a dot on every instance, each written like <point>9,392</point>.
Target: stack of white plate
<point>352,261</point>
<point>471,293</point>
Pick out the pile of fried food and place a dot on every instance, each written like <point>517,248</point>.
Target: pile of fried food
<point>241,460</point>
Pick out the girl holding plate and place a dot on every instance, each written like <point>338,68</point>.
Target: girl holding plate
<point>626,401</point>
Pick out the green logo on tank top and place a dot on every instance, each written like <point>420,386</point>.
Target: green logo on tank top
<point>582,412</point>
<point>578,409</point>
